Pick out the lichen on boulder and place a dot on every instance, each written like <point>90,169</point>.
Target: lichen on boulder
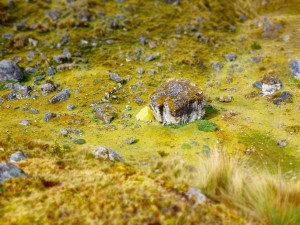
<point>178,101</point>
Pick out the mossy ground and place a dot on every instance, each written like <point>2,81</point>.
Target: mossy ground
<point>90,185</point>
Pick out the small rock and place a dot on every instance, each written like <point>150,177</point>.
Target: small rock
<point>63,131</point>
<point>295,68</point>
<point>283,97</point>
<point>140,70</point>
<point>271,28</point>
<point>226,98</point>
<point>196,195</point>
<point>25,123</point>
<point>30,70</point>
<point>217,66</point>
<point>33,111</point>
<point>48,116</point>
<point>106,113</point>
<point>116,78</point>
<point>257,85</point>
<point>71,107</point>
<point>282,142</point>
<point>107,153</point>
<point>61,96</point>
<point>8,170</point>
<point>38,78</point>
<point>230,57</point>
<point>48,87</point>
<point>152,57</point>
<point>138,100</point>
<point>18,156</point>
<point>256,59</point>
<point>131,140</point>
<point>51,71</point>
<point>9,70</point>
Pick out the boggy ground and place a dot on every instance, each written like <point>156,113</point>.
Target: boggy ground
<point>185,38</point>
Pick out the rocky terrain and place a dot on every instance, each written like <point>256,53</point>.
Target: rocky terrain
<point>120,100</point>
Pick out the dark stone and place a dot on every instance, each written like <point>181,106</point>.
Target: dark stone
<point>30,70</point>
<point>9,70</point>
<point>131,140</point>
<point>177,102</point>
<point>257,85</point>
<point>8,170</point>
<point>71,107</point>
<point>61,96</point>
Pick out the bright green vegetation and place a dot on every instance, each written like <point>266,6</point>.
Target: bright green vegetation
<point>248,177</point>
<point>207,126</point>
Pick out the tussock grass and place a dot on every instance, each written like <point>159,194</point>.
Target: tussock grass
<point>265,197</point>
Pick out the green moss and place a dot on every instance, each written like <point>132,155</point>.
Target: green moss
<point>207,126</point>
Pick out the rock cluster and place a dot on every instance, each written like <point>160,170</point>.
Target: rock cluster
<point>178,101</point>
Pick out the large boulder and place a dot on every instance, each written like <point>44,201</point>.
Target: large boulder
<point>178,101</point>
<point>295,68</point>
<point>9,70</point>
<point>8,170</point>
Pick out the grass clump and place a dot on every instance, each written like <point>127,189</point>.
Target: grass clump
<point>255,46</point>
<point>207,126</point>
<point>58,150</point>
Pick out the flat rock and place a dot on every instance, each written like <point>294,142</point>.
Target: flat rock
<point>9,70</point>
<point>178,101</point>
<point>8,170</point>
<point>107,153</point>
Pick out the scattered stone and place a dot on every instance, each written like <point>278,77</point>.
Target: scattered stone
<point>71,107</point>
<point>282,142</point>
<point>196,195</point>
<point>33,111</point>
<point>271,28</point>
<point>37,79</point>
<point>9,70</point>
<point>257,85</point>
<point>48,87</point>
<point>256,59</point>
<point>217,66</point>
<point>8,170</point>
<point>18,156</point>
<point>61,96</point>
<point>131,140</point>
<point>63,131</point>
<point>270,84</point>
<point>138,100</point>
<point>226,98</point>
<point>48,116</point>
<point>116,78</point>
<point>25,123</point>
<point>140,70</point>
<point>230,57</point>
<point>295,68</point>
<point>51,71</point>
<point>152,57</point>
<point>30,70</point>
<point>106,113</point>
<point>177,102</point>
<point>107,153</point>
<point>145,115</point>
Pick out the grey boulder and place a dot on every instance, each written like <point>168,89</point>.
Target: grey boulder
<point>107,153</point>
<point>18,156</point>
<point>9,70</point>
<point>8,170</point>
<point>295,68</point>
